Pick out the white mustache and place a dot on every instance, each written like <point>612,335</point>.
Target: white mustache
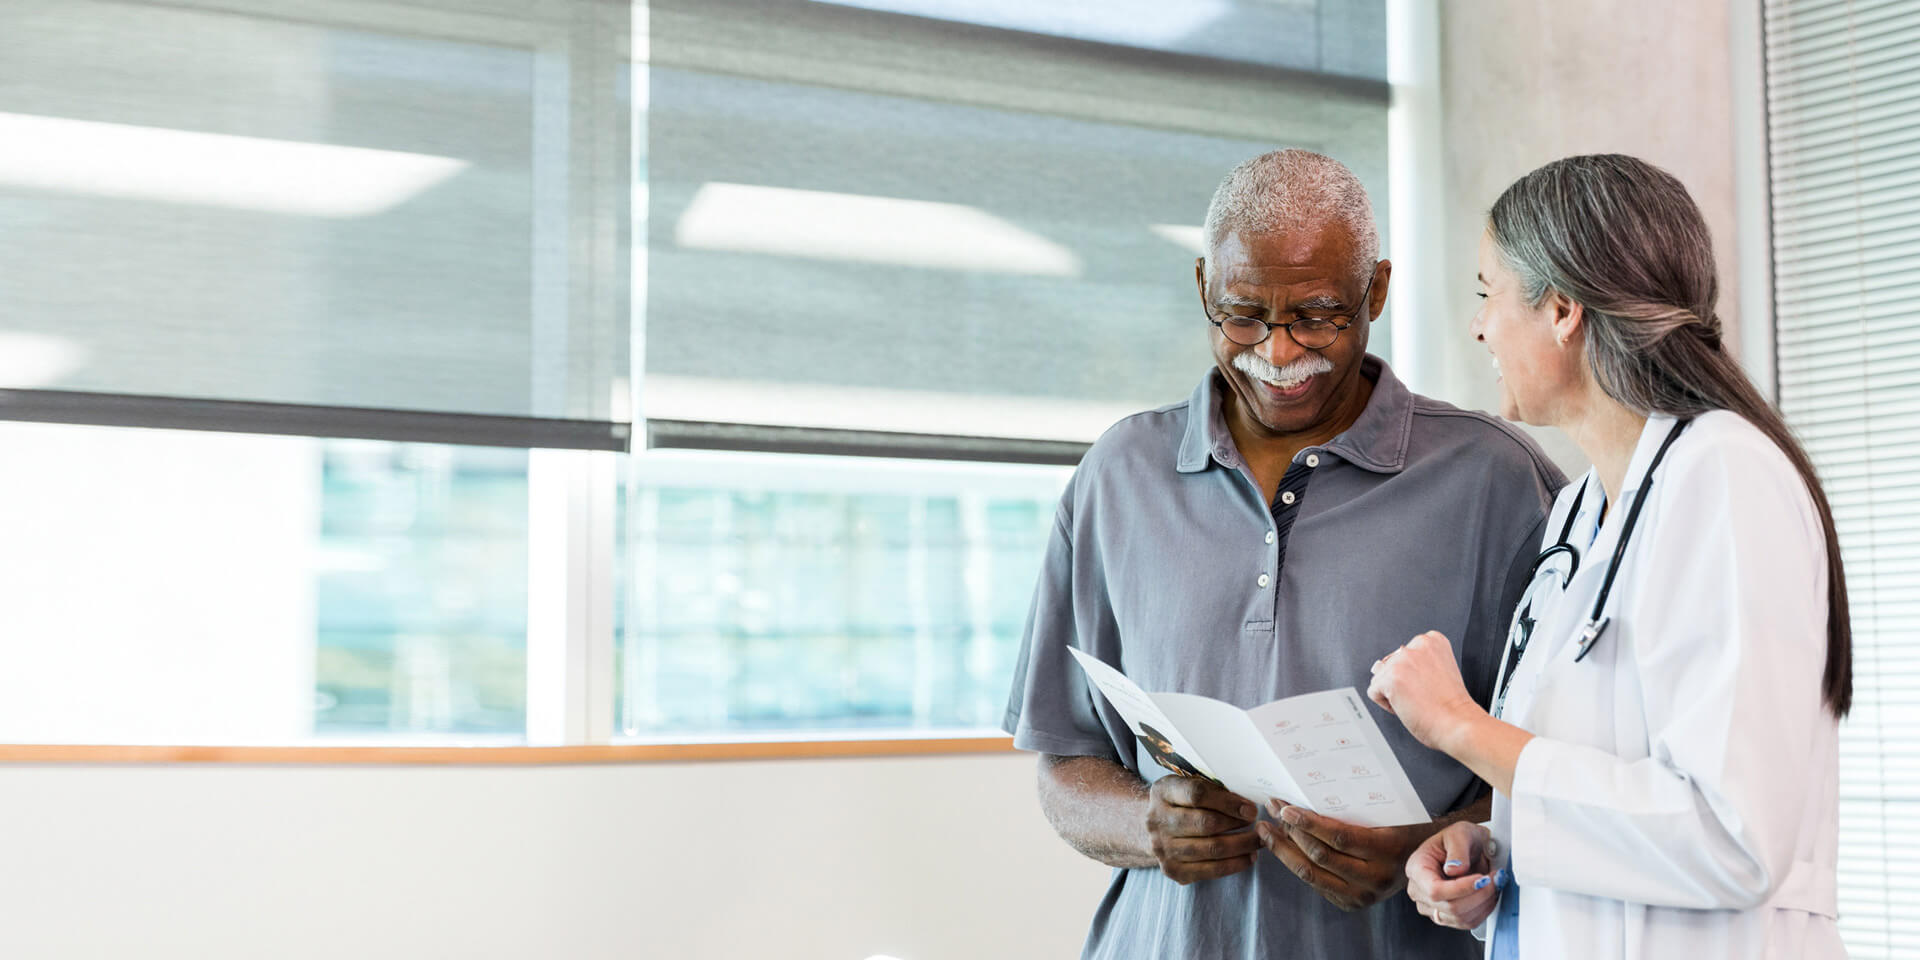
<point>1256,366</point>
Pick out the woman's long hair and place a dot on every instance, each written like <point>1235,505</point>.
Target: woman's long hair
<point>1623,239</point>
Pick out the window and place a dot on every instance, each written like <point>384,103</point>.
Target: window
<point>928,226</point>
<point>945,230</point>
<point>784,594</point>
<point>370,260</point>
<point>1842,96</point>
<point>374,210</point>
<point>483,371</point>
<point>193,587</point>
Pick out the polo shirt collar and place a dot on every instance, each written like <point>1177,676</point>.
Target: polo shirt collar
<point>1377,441</point>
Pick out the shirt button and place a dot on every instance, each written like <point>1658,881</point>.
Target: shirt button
<point>1287,498</point>
<point>1269,536</point>
<point>1313,459</point>
<point>1263,579</point>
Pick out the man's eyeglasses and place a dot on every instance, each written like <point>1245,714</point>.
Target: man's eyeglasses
<point>1314,333</point>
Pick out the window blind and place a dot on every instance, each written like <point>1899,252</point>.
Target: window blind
<point>966,219</point>
<point>1844,131</point>
<point>400,219</point>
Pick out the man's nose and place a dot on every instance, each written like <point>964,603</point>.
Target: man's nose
<point>1280,349</point>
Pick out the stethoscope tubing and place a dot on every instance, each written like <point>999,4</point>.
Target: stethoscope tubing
<point>1596,624</point>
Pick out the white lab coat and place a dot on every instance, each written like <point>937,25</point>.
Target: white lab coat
<point>1680,798</point>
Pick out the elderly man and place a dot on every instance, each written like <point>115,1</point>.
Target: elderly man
<point>1301,514</point>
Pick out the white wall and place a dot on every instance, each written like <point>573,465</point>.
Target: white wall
<point>1524,82</point>
<point>916,858</point>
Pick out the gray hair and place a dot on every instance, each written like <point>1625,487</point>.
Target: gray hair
<point>1621,238</point>
<point>1290,190</point>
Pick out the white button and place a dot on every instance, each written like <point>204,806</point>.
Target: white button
<point>1269,536</point>
<point>1313,459</point>
<point>1287,498</point>
<point>1263,579</point>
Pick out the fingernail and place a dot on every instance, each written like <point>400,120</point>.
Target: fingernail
<point>1291,815</point>
<point>1260,830</point>
<point>1481,883</point>
<point>1452,863</point>
<point>1274,806</point>
<point>1248,811</point>
<point>1502,877</point>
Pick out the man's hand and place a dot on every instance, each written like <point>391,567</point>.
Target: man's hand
<point>1200,830</point>
<point>1352,866</point>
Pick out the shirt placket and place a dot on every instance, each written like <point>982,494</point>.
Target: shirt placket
<point>1284,509</point>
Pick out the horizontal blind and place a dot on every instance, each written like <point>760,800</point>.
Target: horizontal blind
<point>964,219</point>
<point>1844,124</point>
<point>302,215</point>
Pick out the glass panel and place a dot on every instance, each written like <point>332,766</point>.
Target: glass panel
<point>922,266</point>
<point>177,587</point>
<point>362,207</point>
<point>789,593</point>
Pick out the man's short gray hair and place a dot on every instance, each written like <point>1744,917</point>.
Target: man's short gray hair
<point>1291,190</point>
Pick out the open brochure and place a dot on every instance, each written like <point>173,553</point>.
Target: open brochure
<point>1320,750</point>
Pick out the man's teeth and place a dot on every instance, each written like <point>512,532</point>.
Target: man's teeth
<point>1286,384</point>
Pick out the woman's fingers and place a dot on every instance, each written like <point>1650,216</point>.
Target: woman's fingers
<point>1377,692</point>
<point>1464,903</point>
<point>1467,913</point>
<point>1465,846</point>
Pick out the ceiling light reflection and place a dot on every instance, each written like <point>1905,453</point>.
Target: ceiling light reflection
<point>211,169</point>
<point>820,225</point>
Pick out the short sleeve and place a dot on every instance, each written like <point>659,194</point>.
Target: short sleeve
<point>1051,707</point>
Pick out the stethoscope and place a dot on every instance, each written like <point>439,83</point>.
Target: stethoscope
<point>1523,622</point>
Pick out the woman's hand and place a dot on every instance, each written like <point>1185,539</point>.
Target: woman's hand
<point>1448,879</point>
<point>1420,683</point>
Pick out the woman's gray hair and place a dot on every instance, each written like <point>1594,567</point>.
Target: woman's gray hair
<point>1621,238</point>
<point>1291,190</point>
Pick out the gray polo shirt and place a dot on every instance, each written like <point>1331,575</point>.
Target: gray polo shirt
<point>1166,562</point>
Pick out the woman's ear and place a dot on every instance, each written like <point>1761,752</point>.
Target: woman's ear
<point>1569,318</point>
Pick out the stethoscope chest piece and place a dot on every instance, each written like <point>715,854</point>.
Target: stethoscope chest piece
<point>1590,635</point>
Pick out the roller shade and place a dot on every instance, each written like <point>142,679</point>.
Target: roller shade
<point>341,218</point>
<point>965,219</point>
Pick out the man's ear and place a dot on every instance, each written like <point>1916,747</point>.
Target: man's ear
<point>1200,279</point>
<point>1382,277</point>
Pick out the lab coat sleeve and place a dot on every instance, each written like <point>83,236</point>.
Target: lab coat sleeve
<point>1727,622</point>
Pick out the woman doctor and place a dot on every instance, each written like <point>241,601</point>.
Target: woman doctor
<point>1664,752</point>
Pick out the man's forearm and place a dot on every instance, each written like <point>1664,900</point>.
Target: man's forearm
<point>1099,807</point>
<point>1479,811</point>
